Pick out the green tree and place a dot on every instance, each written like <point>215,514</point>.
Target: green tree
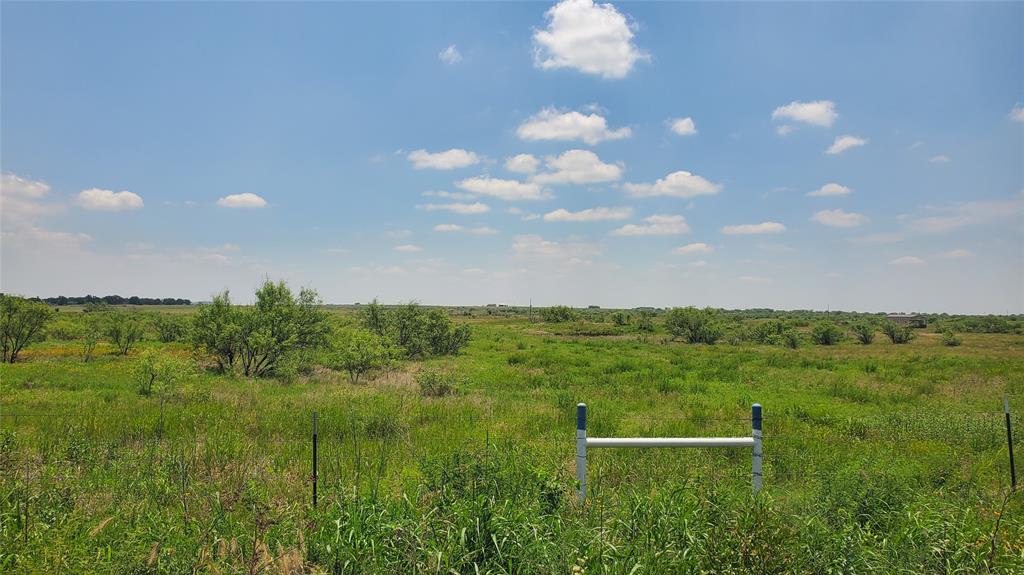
<point>375,318</point>
<point>216,331</point>
<point>277,325</point>
<point>408,328</point>
<point>864,332</point>
<point>950,338</point>
<point>694,325</point>
<point>645,322</point>
<point>21,322</point>
<point>443,336</point>
<point>169,327</point>
<point>826,333</point>
<point>159,375</point>
<point>898,334</point>
<point>91,332</point>
<point>559,314</point>
<point>124,330</point>
<point>357,352</point>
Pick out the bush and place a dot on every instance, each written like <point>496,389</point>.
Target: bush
<point>124,329</point>
<point>620,318</point>
<point>864,332</point>
<point>215,331</point>
<point>169,327</point>
<point>558,314</point>
<point>694,325</point>
<point>357,352</point>
<point>768,333</point>
<point>826,333</point>
<point>21,323</point>
<point>898,334</point>
<point>416,331</point>
<point>434,383</point>
<point>645,322</point>
<point>91,333</point>
<point>790,338</point>
<point>950,338</point>
<point>443,336</point>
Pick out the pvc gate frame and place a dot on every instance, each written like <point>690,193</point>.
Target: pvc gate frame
<point>583,442</point>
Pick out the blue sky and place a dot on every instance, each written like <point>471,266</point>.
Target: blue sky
<point>666,152</point>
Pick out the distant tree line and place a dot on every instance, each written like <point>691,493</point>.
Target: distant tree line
<point>115,300</point>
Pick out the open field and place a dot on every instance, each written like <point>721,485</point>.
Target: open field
<point>878,458</point>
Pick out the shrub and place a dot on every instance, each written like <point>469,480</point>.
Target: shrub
<point>124,329</point>
<point>864,332</point>
<point>950,338</point>
<point>358,352</point>
<point>215,330</point>
<point>91,333</point>
<point>375,318</point>
<point>620,318</point>
<point>826,333</point>
<point>790,338</point>
<point>559,314</point>
<point>645,322</point>
<point>21,322</point>
<point>443,336</point>
<point>694,325</point>
<point>898,334</point>
<point>159,374</point>
<point>169,327</point>
<point>434,383</point>
<point>768,333</point>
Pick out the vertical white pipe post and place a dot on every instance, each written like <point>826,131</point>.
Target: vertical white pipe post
<point>755,416</point>
<point>581,449</point>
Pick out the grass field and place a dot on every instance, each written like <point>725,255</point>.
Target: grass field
<point>881,458</point>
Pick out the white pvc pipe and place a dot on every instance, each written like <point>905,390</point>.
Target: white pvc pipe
<point>670,442</point>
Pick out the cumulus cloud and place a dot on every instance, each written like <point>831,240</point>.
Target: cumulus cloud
<point>784,130</point>
<point>408,248</point>
<point>477,231</point>
<point>683,126</point>
<point>458,208</point>
<point>12,185</point>
<point>552,124</point>
<point>830,189</point>
<point>592,38</point>
<point>1017,113</point>
<point>509,190</point>
<point>657,225</point>
<point>446,160</point>
<point>843,143</point>
<point>588,215</point>
<point>749,229</point>
<point>956,254</point>
<point>450,55</point>
<point>246,200</point>
<point>679,184</point>
<point>818,113</point>
<point>907,261</point>
<point>21,200</point>
<point>522,164</point>
<point>577,167</point>
<point>108,201</point>
<point>531,245</point>
<point>450,195</point>
<point>838,218</point>
<point>695,248</point>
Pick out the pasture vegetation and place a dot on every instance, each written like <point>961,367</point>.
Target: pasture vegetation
<point>447,440</point>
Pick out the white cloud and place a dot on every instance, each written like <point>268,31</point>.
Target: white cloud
<point>12,185</point>
<point>108,201</point>
<point>592,38</point>
<point>784,130</point>
<point>679,184</point>
<point>458,208</point>
<point>818,113</point>
<point>510,190</point>
<point>761,228</point>
<point>838,218</point>
<point>683,126</point>
<point>907,261</point>
<point>844,143</point>
<point>522,163</point>
<point>446,160</point>
<point>20,200</point>
<point>588,215</point>
<point>695,248</point>
<point>408,248</point>
<point>245,200</point>
<point>966,214</point>
<point>450,55</point>
<point>578,167</point>
<point>531,245</point>
<point>450,195</point>
<point>940,159</point>
<point>657,225</point>
<point>1017,113</point>
<point>830,189</point>
<point>956,254</point>
<point>551,124</point>
<point>477,231</point>
<point>754,279</point>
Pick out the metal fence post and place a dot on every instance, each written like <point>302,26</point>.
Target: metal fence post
<point>314,458</point>
<point>755,416</point>
<point>581,449</point>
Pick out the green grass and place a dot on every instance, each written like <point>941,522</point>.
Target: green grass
<point>878,458</point>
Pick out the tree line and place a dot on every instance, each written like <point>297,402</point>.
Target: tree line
<point>114,300</point>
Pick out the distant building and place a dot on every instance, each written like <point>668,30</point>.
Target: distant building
<point>908,319</point>
<point>593,307</point>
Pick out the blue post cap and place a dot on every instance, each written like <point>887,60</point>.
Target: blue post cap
<point>755,415</point>
<point>581,416</point>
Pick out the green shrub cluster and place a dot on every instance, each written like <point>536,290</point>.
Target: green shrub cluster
<point>694,325</point>
<point>416,331</point>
